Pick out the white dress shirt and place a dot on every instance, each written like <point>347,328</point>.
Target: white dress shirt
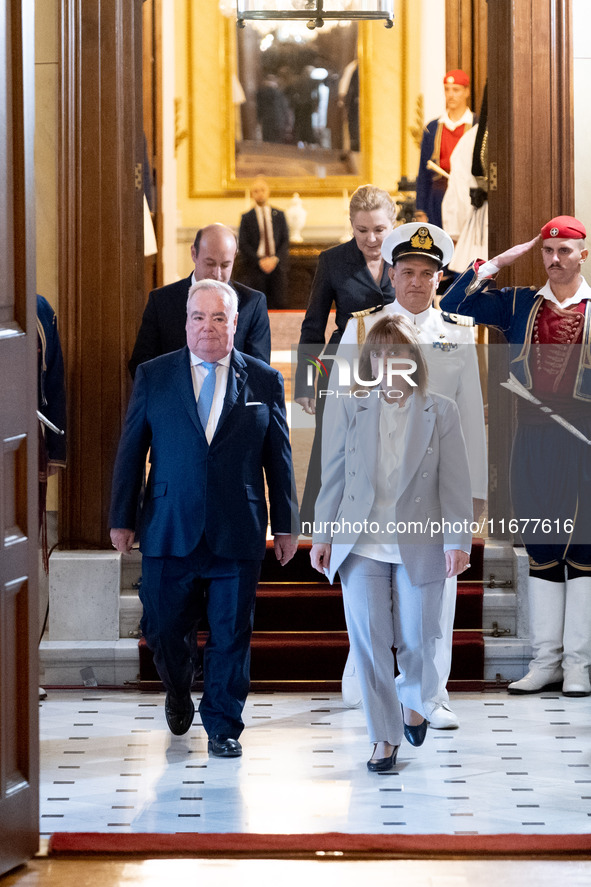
<point>198,374</point>
<point>262,213</point>
<point>583,292</point>
<point>467,117</point>
<point>391,443</point>
<point>489,269</point>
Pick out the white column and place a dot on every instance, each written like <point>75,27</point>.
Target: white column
<point>169,194</point>
<point>433,57</point>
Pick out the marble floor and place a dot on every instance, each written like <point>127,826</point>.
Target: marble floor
<point>516,765</point>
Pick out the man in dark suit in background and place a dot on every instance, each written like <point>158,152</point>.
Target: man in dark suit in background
<point>263,241</point>
<point>214,421</point>
<point>163,322</point>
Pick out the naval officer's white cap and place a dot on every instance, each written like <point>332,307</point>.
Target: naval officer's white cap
<point>418,239</point>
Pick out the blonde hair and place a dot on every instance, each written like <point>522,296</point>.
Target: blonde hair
<point>394,330</point>
<point>366,198</point>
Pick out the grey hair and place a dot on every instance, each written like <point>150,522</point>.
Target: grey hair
<point>225,289</point>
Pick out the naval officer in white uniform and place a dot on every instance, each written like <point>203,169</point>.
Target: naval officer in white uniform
<point>417,253</point>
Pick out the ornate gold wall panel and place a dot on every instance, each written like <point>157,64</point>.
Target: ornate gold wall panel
<point>204,79</point>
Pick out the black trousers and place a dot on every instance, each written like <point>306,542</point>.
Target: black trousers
<point>273,285</point>
<point>171,612</point>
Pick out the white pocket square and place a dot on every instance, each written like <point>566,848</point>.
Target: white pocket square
<point>254,403</point>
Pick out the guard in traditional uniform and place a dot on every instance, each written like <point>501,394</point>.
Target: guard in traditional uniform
<point>439,141</point>
<point>417,254</point>
<point>549,331</point>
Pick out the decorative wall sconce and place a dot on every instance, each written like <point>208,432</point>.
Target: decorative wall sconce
<point>315,12</point>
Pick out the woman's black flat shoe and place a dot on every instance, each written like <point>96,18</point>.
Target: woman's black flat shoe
<point>378,765</point>
<point>416,735</point>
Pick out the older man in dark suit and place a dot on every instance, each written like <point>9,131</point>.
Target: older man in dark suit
<point>163,322</point>
<point>214,421</point>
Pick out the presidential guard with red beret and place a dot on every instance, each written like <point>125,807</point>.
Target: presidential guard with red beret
<point>549,333</point>
<point>438,143</point>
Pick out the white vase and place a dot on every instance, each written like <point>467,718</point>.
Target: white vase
<point>296,216</point>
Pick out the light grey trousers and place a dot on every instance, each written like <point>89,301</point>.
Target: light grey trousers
<point>384,610</point>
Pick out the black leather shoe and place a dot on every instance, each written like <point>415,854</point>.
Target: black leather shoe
<point>223,747</point>
<point>416,735</point>
<point>378,765</point>
<point>179,713</point>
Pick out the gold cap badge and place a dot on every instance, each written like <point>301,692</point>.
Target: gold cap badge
<point>422,239</point>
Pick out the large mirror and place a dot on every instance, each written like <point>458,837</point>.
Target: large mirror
<point>296,96</point>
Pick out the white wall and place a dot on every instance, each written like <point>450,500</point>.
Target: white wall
<point>433,55</point>
<point>169,205</point>
<point>582,93</point>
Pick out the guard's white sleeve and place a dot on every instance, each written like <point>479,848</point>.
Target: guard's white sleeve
<point>456,205</point>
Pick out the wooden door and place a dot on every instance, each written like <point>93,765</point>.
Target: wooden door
<point>466,43</point>
<point>19,759</point>
<point>152,60</point>
<point>101,262</point>
<point>531,170</point>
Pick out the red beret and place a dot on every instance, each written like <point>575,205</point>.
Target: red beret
<point>564,226</point>
<point>458,77</point>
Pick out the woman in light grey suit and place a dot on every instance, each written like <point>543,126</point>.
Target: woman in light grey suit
<point>393,517</point>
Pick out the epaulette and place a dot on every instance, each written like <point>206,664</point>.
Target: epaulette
<point>457,319</point>
<point>367,311</point>
<point>361,323</point>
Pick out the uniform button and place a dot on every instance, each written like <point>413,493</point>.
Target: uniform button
<point>352,498</point>
<point>351,474</point>
<point>425,474</point>
<point>417,498</point>
<point>429,450</point>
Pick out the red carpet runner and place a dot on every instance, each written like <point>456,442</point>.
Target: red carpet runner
<point>332,845</point>
<point>297,612</point>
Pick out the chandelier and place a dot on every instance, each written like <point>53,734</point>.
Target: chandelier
<point>314,12</point>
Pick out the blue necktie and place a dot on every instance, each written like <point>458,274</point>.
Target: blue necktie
<point>206,394</point>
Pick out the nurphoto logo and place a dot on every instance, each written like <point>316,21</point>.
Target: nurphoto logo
<point>395,367</point>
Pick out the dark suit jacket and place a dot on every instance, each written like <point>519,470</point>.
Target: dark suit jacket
<point>249,236</point>
<point>274,284</point>
<point>51,388</point>
<point>342,277</point>
<point>163,323</point>
<point>195,488</point>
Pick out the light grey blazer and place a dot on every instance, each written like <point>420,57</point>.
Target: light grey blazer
<point>434,482</point>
